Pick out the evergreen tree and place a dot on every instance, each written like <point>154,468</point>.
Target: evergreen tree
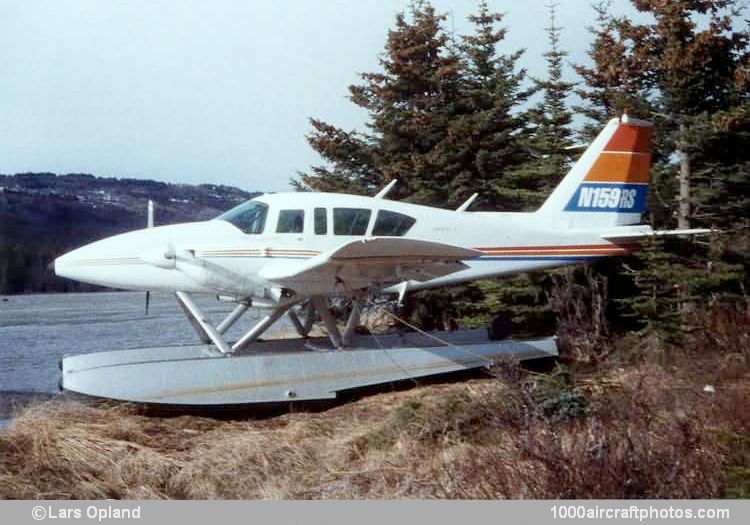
<point>484,143</point>
<point>688,70</point>
<point>550,136</point>
<point>522,298</point>
<point>694,72</point>
<point>409,105</point>
<point>671,280</point>
<point>441,117</point>
<point>485,136</point>
<point>614,83</point>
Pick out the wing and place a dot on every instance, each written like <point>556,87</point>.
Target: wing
<point>376,262</point>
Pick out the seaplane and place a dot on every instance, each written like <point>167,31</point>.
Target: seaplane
<point>292,253</point>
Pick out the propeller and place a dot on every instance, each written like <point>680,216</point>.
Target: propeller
<point>149,224</point>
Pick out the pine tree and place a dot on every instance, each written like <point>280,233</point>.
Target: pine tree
<point>688,70</point>
<point>441,117</point>
<point>408,105</point>
<point>485,142</point>
<point>616,81</point>
<point>485,134</point>
<point>694,71</point>
<point>549,139</point>
<point>522,298</point>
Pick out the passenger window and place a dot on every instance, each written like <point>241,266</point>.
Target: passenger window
<point>350,221</point>
<point>250,217</point>
<point>392,224</point>
<point>291,221</point>
<point>321,221</point>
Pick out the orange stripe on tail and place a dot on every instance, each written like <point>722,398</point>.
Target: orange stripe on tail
<point>626,158</point>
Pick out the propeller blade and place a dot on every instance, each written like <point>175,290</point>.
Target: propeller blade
<point>148,299</point>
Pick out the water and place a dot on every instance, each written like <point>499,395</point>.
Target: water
<point>36,331</point>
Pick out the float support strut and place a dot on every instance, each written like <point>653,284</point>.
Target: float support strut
<point>263,325</point>
<point>303,329</point>
<point>352,322</point>
<point>201,323</point>
<point>232,318</point>
<point>328,320</point>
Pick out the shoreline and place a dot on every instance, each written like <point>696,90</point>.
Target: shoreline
<point>12,401</point>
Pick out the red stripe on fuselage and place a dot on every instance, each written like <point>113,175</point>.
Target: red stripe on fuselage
<point>580,247</point>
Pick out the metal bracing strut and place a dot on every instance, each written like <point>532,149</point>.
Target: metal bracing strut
<point>201,323</point>
<point>263,325</point>
<point>338,339</point>
<point>353,321</point>
<point>233,317</point>
<point>329,321</point>
<point>211,334</point>
<point>303,329</point>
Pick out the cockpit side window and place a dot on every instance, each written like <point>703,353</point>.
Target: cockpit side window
<point>291,221</point>
<point>350,221</point>
<point>321,221</point>
<point>250,217</point>
<point>392,224</point>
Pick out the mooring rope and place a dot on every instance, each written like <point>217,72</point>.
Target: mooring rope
<point>436,338</point>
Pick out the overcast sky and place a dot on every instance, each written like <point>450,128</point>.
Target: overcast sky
<point>213,91</point>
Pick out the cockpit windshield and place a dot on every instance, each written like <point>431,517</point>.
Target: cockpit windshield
<point>250,217</point>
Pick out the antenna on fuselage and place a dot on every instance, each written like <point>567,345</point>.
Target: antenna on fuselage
<point>467,202</point>
<point>382,193</point>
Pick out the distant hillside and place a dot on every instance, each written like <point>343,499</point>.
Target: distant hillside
<point>43,215</point>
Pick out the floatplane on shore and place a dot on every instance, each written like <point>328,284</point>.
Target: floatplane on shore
<point>290,253</point>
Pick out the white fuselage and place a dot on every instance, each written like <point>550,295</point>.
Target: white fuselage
<point>216,256</point>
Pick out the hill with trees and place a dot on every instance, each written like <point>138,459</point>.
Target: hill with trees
<point>43,215</point>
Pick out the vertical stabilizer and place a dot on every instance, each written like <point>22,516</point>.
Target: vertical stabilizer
<point>609,183</point>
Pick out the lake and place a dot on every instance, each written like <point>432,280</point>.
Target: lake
<point>36,331</point>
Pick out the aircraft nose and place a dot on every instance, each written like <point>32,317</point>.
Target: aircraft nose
<point>66,264</point>
<point>107,262</point>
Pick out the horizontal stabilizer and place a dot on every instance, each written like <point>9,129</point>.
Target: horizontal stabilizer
<point>644,233</point>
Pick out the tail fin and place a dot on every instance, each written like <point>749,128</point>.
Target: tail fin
<point>609,183</point>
